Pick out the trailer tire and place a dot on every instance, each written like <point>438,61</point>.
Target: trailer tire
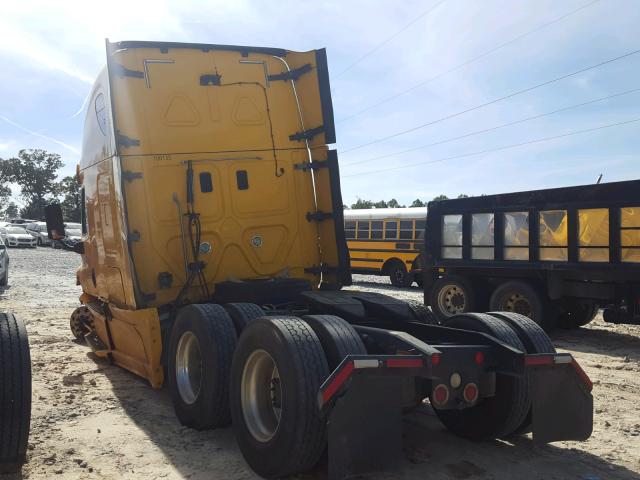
<point>534,339</point>
<point>201,348</point>
<point>576,314</point>
<point>523,298</point>
<point>398,274</point>
<point>451,295</point>
<point>15,393</point>
<point>492,417</point>
<point>81,322</point>
<point>337,337</point>
<point>242,314</point>
<point>274,441</point>
<point>421,312</point>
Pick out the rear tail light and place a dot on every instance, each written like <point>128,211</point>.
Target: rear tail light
<point>470,392</point>
<point>441,394</point>
<point>479,358</point>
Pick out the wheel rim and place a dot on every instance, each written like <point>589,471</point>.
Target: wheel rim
<point>451,300</point>
<point>188,368</point>
<point>518,303</point>
<point>261,396</point>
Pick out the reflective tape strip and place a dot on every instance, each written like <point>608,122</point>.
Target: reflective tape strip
<point>366,363</point>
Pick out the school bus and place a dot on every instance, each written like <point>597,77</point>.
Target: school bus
<point>387,241</point>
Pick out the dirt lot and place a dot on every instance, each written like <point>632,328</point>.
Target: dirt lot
<point>94,420</point>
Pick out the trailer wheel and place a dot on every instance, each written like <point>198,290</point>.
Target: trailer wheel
<point>81,322</point>
<point>277,371</point>
<point>398,274</point>
<point>451,295</point>
<point>337,337</point>
<point>534,339</point>
<point>577,314</point>
<point>502,414</point>
<point>200,353</point>
<point>525,299</point>
<point>242,314</point>
<point>15,393</point>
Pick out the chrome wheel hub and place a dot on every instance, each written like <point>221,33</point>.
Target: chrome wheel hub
<point>188,368</point>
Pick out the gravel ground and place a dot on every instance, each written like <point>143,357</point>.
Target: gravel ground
<point>96,421</point>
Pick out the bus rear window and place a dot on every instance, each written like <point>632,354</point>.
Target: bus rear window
<point>451,236</point>
<point>516,236</point>
<point>630,234</point>
<point>593,236</point>
<point>553,235</point>
<point>482,236</point>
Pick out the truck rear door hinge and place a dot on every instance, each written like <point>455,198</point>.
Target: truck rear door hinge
<point>315,270</point>
<point>319,216</point>
<point>210,79</point>
<point>123,71</point>
<point>130,176</point>
<point>306,134</point>
<point>126,141</point>
<point>313,165</point>
<point>291,74</point>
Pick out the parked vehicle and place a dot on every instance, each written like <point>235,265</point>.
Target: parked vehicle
<point>17,236</point>
<point>555,255</point>
<point>223,270</point>
<point>39,231</point>
<point>73,233</point>
<point>4,264</point>
<point>387,241</point>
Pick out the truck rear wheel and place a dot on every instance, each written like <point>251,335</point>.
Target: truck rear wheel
<point>451,295</point>
<point>277,371</point>
<point>81,322</point>
<point>534,339</point>
<point>201,348</point>
<point>525,299</point>
<point>576,314</point>
<point>15,393</point>
<point>502,414</point>
<point>337,337</point>
<point>242,314</point>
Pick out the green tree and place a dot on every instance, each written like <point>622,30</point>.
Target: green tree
<point>393,203</point>
<point>35,171</point>
<point>5,178</point>
<point>463,195</point>
<point>360,204</point>
<point>11,211</point>
<point>380,204</point>
<point>441,197</point>
<point>418,203</point>
<point>69,189</point>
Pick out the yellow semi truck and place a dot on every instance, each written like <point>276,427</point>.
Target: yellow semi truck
<point>213,257</point>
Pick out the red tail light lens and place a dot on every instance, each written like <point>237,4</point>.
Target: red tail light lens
<point>470,392</point>
<point>479,358</point>
<point>441,394</point>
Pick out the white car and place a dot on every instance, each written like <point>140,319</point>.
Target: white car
<point>39,231</point>
<point>17,236</point>
<point>4,264</point>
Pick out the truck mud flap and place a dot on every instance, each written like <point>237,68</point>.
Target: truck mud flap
<point>562,403</point>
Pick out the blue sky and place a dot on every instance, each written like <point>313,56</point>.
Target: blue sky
<point>51,51</point>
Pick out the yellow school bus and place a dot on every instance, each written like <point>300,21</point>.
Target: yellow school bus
<point>387,241</point>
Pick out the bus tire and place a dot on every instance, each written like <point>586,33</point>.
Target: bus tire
<point>398,274</point>
<point>15,393</point>
<point>534,339</point>
<point>277,424</point>
<point>337,337</point>
<point>524,298</point>
<point>492,417</point>
<point>451,295</point>
<point>576,314</point>
<point>242,314</point>
<point>201,348</point>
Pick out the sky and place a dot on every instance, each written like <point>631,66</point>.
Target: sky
<point>453,56</point>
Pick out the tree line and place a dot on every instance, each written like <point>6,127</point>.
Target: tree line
<point>35,172</point>
<point>393,203</point>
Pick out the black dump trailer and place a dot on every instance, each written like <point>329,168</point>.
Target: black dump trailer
<point>554,255</point>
